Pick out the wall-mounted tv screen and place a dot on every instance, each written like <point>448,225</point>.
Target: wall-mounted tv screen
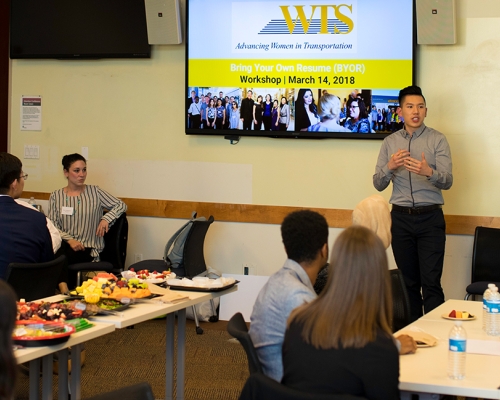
<point>75,29</point>
<point>298,69</point>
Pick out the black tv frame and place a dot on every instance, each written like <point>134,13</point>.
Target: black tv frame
<point>237,134</point>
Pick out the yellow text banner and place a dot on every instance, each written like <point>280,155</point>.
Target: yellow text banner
<point>270,73</point>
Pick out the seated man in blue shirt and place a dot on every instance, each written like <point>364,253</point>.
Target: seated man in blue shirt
<point>305,236</point>
<point>24,236</point>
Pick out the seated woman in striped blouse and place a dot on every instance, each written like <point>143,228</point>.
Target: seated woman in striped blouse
<point>77,212</point>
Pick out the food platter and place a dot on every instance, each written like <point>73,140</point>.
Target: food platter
<point>41,333</point>
<point>447,316</point>
<point>202,289</point>
<point>100,308</point>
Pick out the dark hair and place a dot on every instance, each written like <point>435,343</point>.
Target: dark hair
<point>69,159</point>
<point>8,364</point>
<point>10,169</point>
<point>362,108</point>
<point>408,91</point>
<point>286,100</point>
<point>301,118</point>
<point>304,233</point>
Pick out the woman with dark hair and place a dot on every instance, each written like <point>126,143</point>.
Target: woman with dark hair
<point>220,115</point>
<point>257,114</point>
<point>234,119</point>
<point>8,364</point>
<point>306,112</point>
<point>275,116</point>
<point>358,121</point>
<point>267,113</point>
<point>77,211</point>
<point>344,336</point>
<point>211,111</point>
<point>284,115</point>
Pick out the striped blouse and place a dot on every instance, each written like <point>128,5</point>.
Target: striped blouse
<point>88,210</point>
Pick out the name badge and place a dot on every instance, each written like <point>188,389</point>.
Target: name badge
<point>67,211</point>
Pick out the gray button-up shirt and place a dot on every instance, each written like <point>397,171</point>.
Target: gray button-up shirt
<point>409,189</point>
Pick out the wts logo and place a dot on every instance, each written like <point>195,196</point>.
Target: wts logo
<point>341,24</point>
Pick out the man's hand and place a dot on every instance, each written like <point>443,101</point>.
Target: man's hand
<point>418,167</point>
<point>408,345</point>
<point>76,245</point>
<point>398,159</point>
<point>102,228</point>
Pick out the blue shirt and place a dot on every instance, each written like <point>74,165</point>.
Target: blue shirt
<point>285,290</point>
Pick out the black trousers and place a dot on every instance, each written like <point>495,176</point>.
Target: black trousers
<point>247,124</point>
<point>418,243</point>
<point>72,257</point>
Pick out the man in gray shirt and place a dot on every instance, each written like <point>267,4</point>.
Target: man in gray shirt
<point>417,159</point>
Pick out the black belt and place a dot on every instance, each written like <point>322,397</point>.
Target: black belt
<point>416,210</point>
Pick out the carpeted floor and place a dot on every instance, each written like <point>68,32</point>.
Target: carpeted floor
<point>216,366</point>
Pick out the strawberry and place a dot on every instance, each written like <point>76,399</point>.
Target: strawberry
<point>453,314</point>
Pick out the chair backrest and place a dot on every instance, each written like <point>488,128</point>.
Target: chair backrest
<point>194,256</point>
<point>37,280</point>
<point>400,301</point>
<point>258,387</point>
<point>486,255</point>
<point>237,328</point>
<point>140,391</point>
<point>115,244</point>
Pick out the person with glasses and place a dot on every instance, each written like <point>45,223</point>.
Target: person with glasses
<point>24,237</point>
<point>77,210</point>
<point>358,117</point>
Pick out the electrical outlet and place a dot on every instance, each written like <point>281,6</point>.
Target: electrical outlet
<point>138,257</point>
<point>248,269</point>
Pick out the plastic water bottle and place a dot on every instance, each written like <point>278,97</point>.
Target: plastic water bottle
<point>32,202</point>
<point>493,313</point>
<point>486,297</point>
<point>456,354</point>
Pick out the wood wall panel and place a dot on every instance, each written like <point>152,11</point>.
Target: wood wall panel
<point>262,214</point>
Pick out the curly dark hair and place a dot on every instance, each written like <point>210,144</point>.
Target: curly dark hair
<point>304,233</point>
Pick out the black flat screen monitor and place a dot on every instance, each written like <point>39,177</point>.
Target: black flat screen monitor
<point>76,29</point>
<point>298,69</point>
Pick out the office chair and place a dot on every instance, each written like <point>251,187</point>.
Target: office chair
<point>139,391</point>
<point>35,281</point>
<point>258,387</point>
<point>400,301</point>
<point>114,254</point>
<point>485,261</point>
<point>193,261</point>
<point>237,328</point>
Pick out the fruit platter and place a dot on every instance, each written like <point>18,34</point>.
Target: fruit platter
<point>148,276</point>
<point>459,315</point>
<point>41,333</point>
<point>45,311</point>
<point>108,286</point>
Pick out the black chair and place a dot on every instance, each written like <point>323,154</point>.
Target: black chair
<point>400,301</point>
<point>193,261</point>
<point>113,256</point>
<point>35,281</point>
<point>259,387</point>
<point>140,391</point>
<point>237,328</point>
<point>485,261</point>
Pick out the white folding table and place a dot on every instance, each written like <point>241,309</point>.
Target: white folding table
<point>425,373</point>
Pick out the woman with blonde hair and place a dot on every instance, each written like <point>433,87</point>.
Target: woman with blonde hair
<point>341,342</point>
<point>329,113</point>
<point>8,364</point>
